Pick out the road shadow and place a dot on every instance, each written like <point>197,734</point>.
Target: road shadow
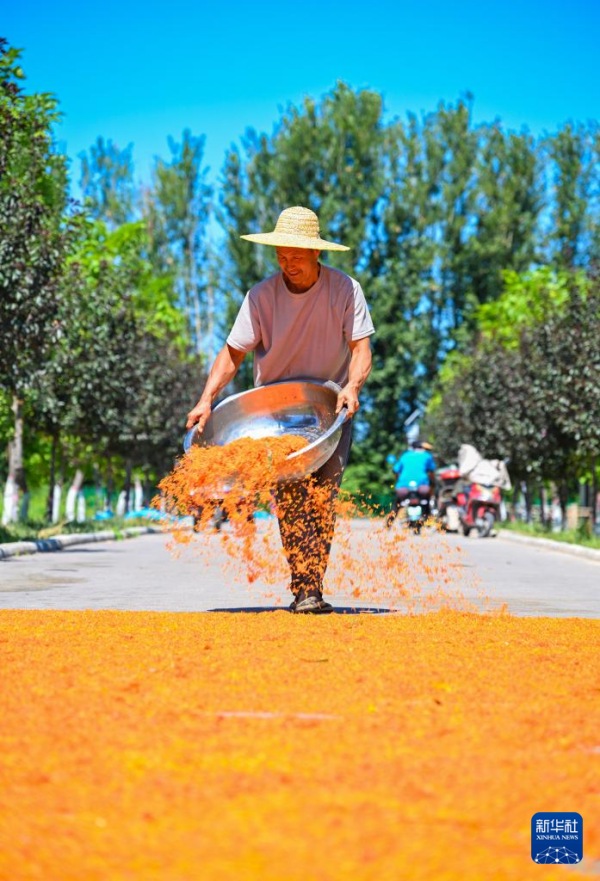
<point>338,610</point>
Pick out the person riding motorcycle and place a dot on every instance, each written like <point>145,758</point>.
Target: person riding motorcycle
<point>414,469</point>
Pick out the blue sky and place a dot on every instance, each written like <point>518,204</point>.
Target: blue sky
<point>138,72</point>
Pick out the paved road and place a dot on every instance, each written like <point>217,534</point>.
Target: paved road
<point>141,574</point>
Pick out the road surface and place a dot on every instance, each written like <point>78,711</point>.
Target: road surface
<point>143,574</point>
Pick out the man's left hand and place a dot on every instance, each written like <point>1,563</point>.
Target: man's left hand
<point>360,367</point>
<point>347,397</point>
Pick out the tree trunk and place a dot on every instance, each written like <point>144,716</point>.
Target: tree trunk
<point>147,489</point>
<point>51,499</point>
<point>56,500</point>
<point>138,495</point>
<point>110,485</point>
<point>543,506</point>
<point>527,498</point>
<point>99,501</point>
<point>514,509</point>
<point>16,496</point>
<point>60,482</point>
<point>10,504</point>
<point>127,486</point>
<point>563,495</point>
<point>74,489</point>
<point>81,512</point>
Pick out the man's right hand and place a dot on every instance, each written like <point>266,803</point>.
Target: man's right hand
<point>199,415</point>
<point>223,370</point>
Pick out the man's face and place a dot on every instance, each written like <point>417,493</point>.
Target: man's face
<point>300,267</point>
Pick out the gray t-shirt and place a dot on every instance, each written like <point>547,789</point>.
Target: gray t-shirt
<point>302,335</point>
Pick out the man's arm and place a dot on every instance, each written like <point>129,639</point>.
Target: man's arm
<point>225,367</point>
<point>360,367</point>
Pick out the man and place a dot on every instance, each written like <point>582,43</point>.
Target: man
<point>414,468</point>
<point>307,321</point>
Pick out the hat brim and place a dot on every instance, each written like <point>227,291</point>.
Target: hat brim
<point>280,240</point>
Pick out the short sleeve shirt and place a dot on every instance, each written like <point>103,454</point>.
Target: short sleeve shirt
<point>305,335</point>
<point>414,466</point>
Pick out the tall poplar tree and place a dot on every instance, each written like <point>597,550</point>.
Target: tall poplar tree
<point>418,288</point>
<point>33,244</point>
<point>572,165</point>
<point>107,182</point>
<point>178,208</point>
<point>508,202</point>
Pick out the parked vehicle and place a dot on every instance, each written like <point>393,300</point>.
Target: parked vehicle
<point>469,494</point>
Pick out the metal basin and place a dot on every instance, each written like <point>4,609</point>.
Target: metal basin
<point>302,407</point>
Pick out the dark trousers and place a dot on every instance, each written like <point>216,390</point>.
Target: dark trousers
<point>306,514</point>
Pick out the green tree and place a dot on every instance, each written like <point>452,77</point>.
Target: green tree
<point>568,356</point>
<point>177,209</point>
<point>506,212</point>
<point>418,289</point>
<point>573,167</point>
<point>442,216</point>
<point>531,393</point>
<point>401,257</point>
<point>113,386</point>
<point>527,299</point>
<point>34,240</point>
<point>107,183</point>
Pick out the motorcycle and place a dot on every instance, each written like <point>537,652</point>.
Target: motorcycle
<point>446,506</point>
<point>413,511</point>
<point>477,492</point>
<point>479,508</point>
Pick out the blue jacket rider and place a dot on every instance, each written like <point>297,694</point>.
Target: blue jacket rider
<point>414,469</point>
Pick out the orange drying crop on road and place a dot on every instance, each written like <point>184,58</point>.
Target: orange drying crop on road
<point>248,465</point>
<point>236,480</point>
<point>146,746</point>
<point>376,566</point>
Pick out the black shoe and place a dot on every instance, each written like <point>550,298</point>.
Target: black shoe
<point>310,603</point>
<point>313,606</point>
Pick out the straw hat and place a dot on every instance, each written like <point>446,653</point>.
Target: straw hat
<point>296,228</point>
